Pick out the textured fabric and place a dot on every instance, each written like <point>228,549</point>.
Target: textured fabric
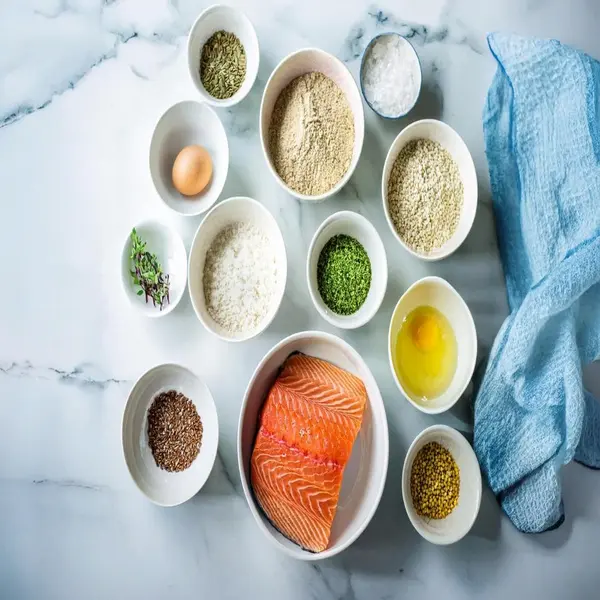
<point>542,135</point>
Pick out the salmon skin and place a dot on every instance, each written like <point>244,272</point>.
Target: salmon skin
<point>307,427</point>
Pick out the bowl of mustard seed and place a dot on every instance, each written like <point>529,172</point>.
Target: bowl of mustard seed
<point>170,433</point>
<point>223,55</point>
<point>441,485</point>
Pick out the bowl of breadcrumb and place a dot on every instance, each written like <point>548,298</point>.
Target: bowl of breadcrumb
<point>429,189</point>
<point>312,124</point>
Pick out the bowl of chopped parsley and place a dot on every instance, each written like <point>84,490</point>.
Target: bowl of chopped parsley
<point>153,268</point>
<point>347,270</point>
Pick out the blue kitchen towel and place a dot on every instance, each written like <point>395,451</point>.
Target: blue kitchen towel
<point>532,413</point>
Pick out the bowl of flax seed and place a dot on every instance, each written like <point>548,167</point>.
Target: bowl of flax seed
<point>311,124</point>
<point>170,433</point>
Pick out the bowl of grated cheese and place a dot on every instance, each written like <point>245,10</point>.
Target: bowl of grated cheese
<point>237,269</point>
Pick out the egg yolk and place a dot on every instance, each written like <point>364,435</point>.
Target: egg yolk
<point>425,333</point>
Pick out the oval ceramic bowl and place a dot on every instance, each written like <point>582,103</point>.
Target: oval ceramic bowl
<point>170,251</point>
<point>292,66</point>
<point>365,473</point>
<point>448,138</point>
<point>162,487</point>
<point>358,227</point>
<point>417,68</point>
<point>216,18</point>
<point>459,522</point>
<point>230,211</point>
<point>438,293</point>
<point>184,124</point>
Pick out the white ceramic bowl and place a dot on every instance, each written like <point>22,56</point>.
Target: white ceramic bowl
<point>184,124</point>
<point>162,487</point>
<point>292,66</point>
<point>365,473</point>
<point>358,227</point>
<point>458,523</point>
<point>170,251</point>
<point>216,18</point>
<point>227,212</point>
<point>450,140</point>
<point>438,293</point>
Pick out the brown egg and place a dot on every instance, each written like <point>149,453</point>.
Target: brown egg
<point>192,170</point>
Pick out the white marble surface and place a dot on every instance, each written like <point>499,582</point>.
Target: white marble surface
<point>81,84</point>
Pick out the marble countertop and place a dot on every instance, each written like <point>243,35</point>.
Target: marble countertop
<point>81,84</point>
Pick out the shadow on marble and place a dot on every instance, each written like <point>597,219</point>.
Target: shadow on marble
<point>430,104</point>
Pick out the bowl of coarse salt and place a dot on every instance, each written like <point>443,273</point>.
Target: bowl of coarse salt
<point>237,269</point>
<point>390,75</point>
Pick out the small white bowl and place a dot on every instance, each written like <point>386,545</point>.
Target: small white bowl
<point>234,210</point>
<point>438,293</point>
<point>159,486</point>
<point>184,124</point>
<point>459,522</point>
<point>358,227</point>
<point>366,470</point>
<point>442,133</point>
<point>297,64</point>
<point>223,18</point>
<point>416,64</point>
<point>170,251</point>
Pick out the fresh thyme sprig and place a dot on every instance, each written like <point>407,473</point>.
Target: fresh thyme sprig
<point>147,272</point>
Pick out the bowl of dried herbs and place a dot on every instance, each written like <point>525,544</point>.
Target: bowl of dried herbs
<point>223,55</point>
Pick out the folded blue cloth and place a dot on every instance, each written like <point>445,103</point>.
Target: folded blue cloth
<point>542,136</point>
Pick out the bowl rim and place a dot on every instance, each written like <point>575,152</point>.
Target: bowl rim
<point>473,335</point>
<point>451,432</point>
<point>154,223</point>
<point>203,106</point>
<point>329,552</point>
<point>284,262</point>
<point>364,223</point>
<point>124,411</point>
<point>346,177</point>
<point>237,97</point>
<point>470,166</point>
<point>360,74</point>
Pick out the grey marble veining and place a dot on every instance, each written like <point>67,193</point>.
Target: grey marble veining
<point>82,83</point>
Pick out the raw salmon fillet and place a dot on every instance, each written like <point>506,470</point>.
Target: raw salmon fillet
<point>307,428</point>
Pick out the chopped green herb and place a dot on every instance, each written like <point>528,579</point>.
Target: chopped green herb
<point>344,274</point>
<point>147,272</point>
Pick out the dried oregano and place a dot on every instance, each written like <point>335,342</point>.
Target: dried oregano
<point>222,65</point>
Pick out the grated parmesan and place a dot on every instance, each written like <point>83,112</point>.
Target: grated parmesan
<point>240,277</point>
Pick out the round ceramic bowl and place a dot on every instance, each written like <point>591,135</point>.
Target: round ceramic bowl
<point>184,124</point>
<point>234,210</point>
<point>365,472</point>
<point>159,486</point>
<point>438,293</point>
<point>450,140</point>
<point>358,227</point>
<point>223,18</point>
<point>297,64</point>
<point>459,522</point>
<point>415,65</point>
<point>170,251</point>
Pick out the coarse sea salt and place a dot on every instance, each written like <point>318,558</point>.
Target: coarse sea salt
<point>391,76</point>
